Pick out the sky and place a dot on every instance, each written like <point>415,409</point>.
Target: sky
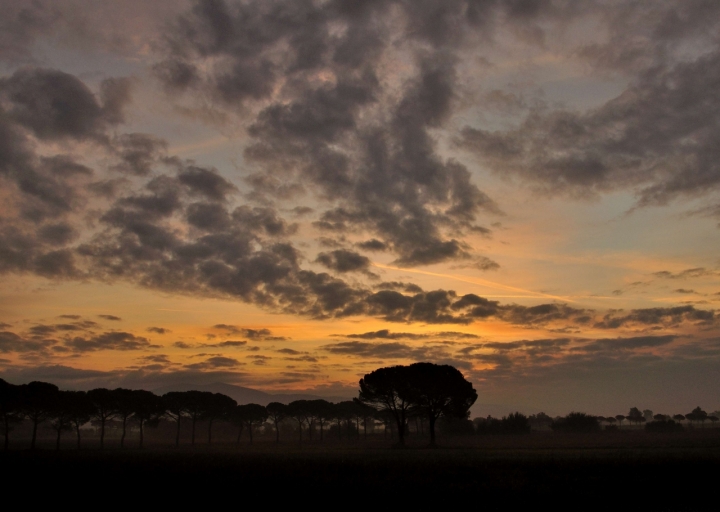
<point>286,195</point>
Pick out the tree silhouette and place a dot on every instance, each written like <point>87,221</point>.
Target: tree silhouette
<point>635,416</point>
<point>301,411</point>
<point>147,409</point>
<point>125,408</point>
<point>697,414</point>
<point>175,405</point>
<point>105,407</point>
<point>387,389</point>
<point>217,406</point>
<point>620,418</point>
<point>364,412</point>
<point>38,404</point>
<point>679,417</point>
<point>277,412</point>
<point>323,413</point>
<point>439,390</point>
<point>576,422</point>
<point>10,409</point>
<point>61,417</point>
<point>251,415</point>
<point>80,410</point>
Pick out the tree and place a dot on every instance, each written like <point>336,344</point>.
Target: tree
<point>576,422</point>
<point>217,406</point>
<point>620,418</point>
<point>61,415</point>
<point>80,409</point>
<point>323,413</point>
<point>439,390</point>
<point>174,404</point>
<point>277,412</point>
<point>648,415</point>
<point>38,404</point>
<point>125,408</point>
<point>679,417</point>
<point>147,409</point>
<point>387,389</point>
<point>301,411</point>
<point>251,415</point>
<point>197,404</point>
<point>635,416</point>
<point>697,414</point>
<point>10,409</point>
<point>105,407</point>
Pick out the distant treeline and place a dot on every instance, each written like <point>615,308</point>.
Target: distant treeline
<point>398,398</point>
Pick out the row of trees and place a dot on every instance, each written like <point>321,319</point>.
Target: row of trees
<point>697,415</point>
<point>390,395</point>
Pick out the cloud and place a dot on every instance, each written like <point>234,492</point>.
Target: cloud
<point>215,362</point>
<point>657,316</point>
<point>342,260</point>
<point>112,318</point>
<point>114,340</point>
<point>158,330</point>
<point>386,334</point>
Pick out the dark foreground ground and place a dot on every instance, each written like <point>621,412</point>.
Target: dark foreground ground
<point>637,472</point>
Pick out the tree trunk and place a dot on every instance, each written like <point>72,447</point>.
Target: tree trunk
<point>57,441</point>
<point>192,437</point>
<point>277,433</point>
<point>210,431</point>
<point>34,433</point>
<point>6,421</point>
<point>250,431</point>
<point>77,431</point>
<point>339,425</point>
<point>102,433</point>
<point>142,433</point>
<point>177,433</point>
<point>122,438</point>
<point>365,421</point>
<point>321,431</point>
<point>300,430</point>
<point>242,425</point>
<point>431,421</point>
<point>401,425</point>
<point>357,426</point>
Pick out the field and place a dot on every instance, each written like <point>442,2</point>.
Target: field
<point>610,471</point>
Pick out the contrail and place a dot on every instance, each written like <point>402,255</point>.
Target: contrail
<point>482,282</point>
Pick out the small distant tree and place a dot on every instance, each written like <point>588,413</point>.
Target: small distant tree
<point>300,411</point>
<point>124,409</point>
<point>174,403</point>
<point>10,409</point>
<point>660,417</point>
<point>217,407</point>
<point>38,403</point>
<point>576,422</point>
<point>147,410</point>
<point>80,409</point>
<point>539,420</point>
<point>713,419</point>
<point>323,412</point>
<point>61,417</point>
<point>515,423</point>
<point>620,418</point>
<point>635,416</point>
<point>251,415</point>
<point>679,417</point>
<point>105,407</point>
<point>665,425</point>
<point>277,412</point>
<point>697,414</point>
<point>648,415</point>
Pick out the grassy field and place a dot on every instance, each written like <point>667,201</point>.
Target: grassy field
<point>665,472</point>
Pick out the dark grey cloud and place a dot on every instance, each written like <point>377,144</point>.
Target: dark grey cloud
<point>12,342</point>
<point>619,344</point>
<point>158,330</point>
<point>215,362</point>
<point>387,334</point>
<point>342,260</point>
<point>138,153</point>
<point>690,273</point>
<point>342,137</point>
<point>110,317</point>
<point>636,140</point>
<point>113,340</point>
<point>666,317</point>
<point>56,105</point>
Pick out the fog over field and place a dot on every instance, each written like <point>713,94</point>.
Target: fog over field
<point>286,195</point>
